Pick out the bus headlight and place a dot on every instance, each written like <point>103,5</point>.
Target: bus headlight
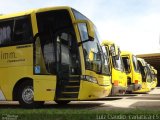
<point>89,78</point>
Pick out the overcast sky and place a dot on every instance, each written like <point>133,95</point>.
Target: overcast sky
<point>133,24</point>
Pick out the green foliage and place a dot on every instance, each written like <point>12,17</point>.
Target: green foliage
<point>72,114</point>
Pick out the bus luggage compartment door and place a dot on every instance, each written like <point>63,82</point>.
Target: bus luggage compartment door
<point>44,88</point>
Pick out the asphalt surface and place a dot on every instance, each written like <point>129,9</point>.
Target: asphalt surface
<point>149,100</point>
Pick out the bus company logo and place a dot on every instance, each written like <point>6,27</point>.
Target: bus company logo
<point>9,117</point>
<point>7,55</point>
<point>10,57</point>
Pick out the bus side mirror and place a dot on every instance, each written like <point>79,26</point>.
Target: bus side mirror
<point>89,26</point>
<point>117,50</point>
<point>118,53</point>
<point>91,31</point>
<point>112,51</point>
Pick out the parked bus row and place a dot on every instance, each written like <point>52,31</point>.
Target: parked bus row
<point>141,76</point>
<point>54,54</point>
<point>129,74</point>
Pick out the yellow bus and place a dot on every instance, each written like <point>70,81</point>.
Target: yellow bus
<point>44,56</point>
<point>134,79</point>
<point>154,77</point>
<point>146,76</point>
<point>119,78</point>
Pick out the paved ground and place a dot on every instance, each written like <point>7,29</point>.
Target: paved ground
<point>150,100</point>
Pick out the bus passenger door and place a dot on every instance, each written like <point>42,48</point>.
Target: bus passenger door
<point>44,70</point>
<point>60,51</point>
<point>68,69</point>
<point>62,63</point>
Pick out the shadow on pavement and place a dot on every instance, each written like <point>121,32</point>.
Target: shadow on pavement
<point>108,99</point>
<point>152,95</point>
<point>126,95</point>
<point>146,97</point>
<point>77,106</point>
<point>153,105</point>
<point>140,93</point>
<point>53,105</point>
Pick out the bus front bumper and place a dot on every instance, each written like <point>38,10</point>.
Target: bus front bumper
<point>142,90</point>
<point>89,90</point>
<point>118,90</point>
<point>134,87</point>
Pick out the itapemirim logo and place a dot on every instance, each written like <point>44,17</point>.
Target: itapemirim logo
<point>7,55</point>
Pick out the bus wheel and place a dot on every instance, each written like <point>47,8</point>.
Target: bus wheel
<point>111,93</point>
<point>62,102</point>
<point>26,95</point>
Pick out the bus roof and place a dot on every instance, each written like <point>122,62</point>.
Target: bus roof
<point>6,16</point>
<point>107,42</point>
<point>126,53</point>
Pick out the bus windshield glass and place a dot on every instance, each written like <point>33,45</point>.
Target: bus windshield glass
<point>117,63</point>
<point>135,64</point>
<point>142,70</point>
<point>126,63</point>
<point>92,50</point>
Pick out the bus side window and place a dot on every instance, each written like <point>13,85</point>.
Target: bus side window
<point>16,31</point>
<point>22,31</point>
<point>6,32</point>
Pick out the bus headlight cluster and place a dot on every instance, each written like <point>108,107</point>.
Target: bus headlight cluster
<point>89,78</point>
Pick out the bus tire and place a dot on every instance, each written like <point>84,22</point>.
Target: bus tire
<point>26,95</point>
<point>62,102</point>
<point>111,93</point>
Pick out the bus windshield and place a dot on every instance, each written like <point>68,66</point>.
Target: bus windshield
<point>106,60</point>
<point>149,76</point>
<point>135,64</point>
<point>93,54</point>
<point>117,63</point>
<point>126,63</point>
<point>142,70</point>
